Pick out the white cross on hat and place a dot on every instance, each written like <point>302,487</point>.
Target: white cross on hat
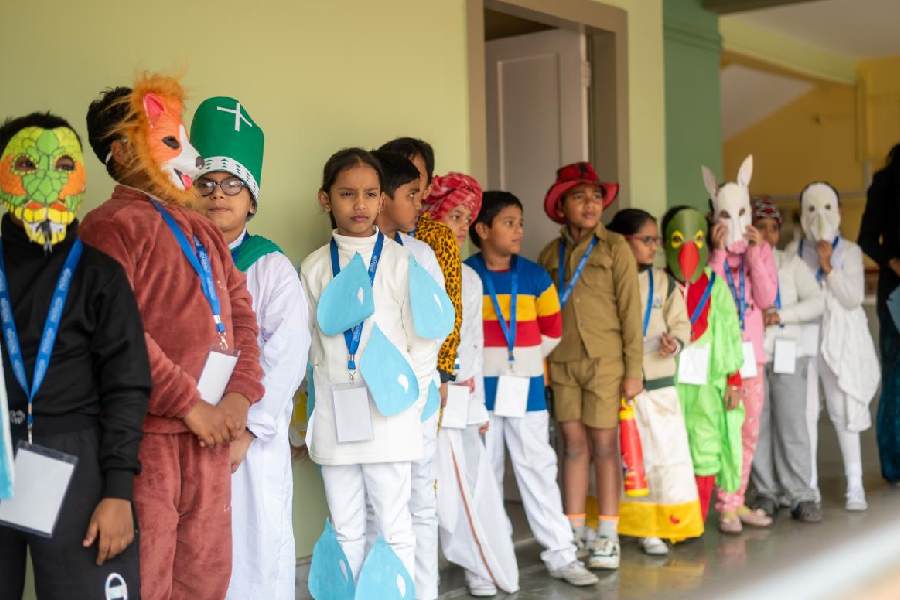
<point>238,117</point>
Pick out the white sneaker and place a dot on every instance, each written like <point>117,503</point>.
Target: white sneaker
<point>856,499</point>
<point>575,574</point>
<point>480,587</point>
<point>654,546</point>
<point>604,554</point>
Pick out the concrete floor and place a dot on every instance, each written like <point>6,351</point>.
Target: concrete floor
<point>715,566</point>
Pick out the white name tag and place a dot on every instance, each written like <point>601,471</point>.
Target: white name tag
<point>42,478</point>
<point>651,344</point>
<point>352,412</point>
<point>216,375</point>
<point>456,411</point>
<point>478,414</point>
<point>785,359</point>
<point>748,371</point>
<point>512,396</point>
<point>693,365</point>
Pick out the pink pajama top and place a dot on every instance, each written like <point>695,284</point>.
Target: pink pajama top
<point>760,288</point>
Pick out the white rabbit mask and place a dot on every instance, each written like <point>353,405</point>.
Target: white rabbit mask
<point>819,213</point>
<point>731,205</point>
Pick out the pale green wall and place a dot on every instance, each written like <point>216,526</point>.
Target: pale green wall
<point>693,122</point>
<point>317,76</point>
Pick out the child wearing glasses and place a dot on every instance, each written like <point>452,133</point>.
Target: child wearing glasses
<point>372,367</point>
<point>600,357</point>
<point>262,481</point>
<point>671,509</point>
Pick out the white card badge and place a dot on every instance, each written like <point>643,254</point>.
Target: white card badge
<point>512,396</point>
<point>748,371</point>
<point>216,375</point>
<point>785,360</point>
<point>42,478</point>
<point>693,365</point>
<point>456,411</point>
<point>478,414</point>
<point>652,343</point>
<point>352,413</point>
<point>808,343</point>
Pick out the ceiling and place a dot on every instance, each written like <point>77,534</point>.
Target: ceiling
<point>859,28</point>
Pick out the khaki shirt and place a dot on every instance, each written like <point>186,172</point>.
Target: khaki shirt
<point>602,318</point>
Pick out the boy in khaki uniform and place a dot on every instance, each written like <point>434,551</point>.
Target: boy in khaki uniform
<point>599,359</point>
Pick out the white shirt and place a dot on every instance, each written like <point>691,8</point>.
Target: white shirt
<point>397,438</point>
<point>802,304</point>
<point>282,313</point>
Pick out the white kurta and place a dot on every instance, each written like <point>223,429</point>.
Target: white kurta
<point>262,531</point>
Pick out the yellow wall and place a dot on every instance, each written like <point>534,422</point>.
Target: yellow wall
<point>812,138</point>
<point>880,81</point>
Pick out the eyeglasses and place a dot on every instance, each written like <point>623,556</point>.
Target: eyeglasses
<point>230,187</point>
<point>647,240</point>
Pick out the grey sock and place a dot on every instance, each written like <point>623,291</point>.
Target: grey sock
<point>608,529</point>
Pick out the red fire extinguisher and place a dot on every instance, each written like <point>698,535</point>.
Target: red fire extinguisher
<point>634,477</point>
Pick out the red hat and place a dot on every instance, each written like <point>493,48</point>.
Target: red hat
<point>570,176</point>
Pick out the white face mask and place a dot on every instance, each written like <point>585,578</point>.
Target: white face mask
<point>820,217</point>
<point>731,205</point>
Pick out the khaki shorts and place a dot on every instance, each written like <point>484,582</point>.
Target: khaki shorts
<point>587,390</point>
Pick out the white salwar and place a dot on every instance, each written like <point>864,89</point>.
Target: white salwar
<point>264,561</point>
<point>470,503</point>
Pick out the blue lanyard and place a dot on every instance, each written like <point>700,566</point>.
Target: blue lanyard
<point>778,298</point>
<point>199,260</point>
<point>649,301</point>
<point>509,331</point>
<point>48,335</point>
<point>703,299</point>
<point>397,238</point>
<point>742,299</point>
<point>820,274</point>
<point>354,335</point>
<point>565,289</point>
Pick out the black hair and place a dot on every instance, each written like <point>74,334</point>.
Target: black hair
<point>492,202</point>
<point>629,221</point>
<point>44,120</point>
<point>410,147</point>
<point>103,116</point>
<point>825,183</point>
<point>348,158</point>
<point>397,171</point>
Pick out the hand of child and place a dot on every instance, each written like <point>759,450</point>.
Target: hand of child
<point>772,317</point>
<point>631,387</point>
<point>235,407</point>
<point>238,449</point>
<point>719,231</point>
<point>668,345</point>
<point>113,523</point>
<point>470,383</point>
<point>732,397</point>
<point>207,422</point>
<point>753,236</point>
<point>483,428</point>
<point>824,249</point>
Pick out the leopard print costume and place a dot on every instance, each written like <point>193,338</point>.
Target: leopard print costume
<point>439,237</point>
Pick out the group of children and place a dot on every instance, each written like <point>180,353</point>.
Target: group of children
<point>182,339</point>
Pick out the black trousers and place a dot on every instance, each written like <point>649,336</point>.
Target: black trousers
<point>63,568</point>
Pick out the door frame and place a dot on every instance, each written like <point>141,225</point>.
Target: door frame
<point>606,28</point>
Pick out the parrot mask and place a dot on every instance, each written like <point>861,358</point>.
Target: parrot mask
<point>42,181</point>
<point>685,245</point>
<point>731,205</point>
<point>820,217</point>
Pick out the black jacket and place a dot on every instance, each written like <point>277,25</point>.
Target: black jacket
<point>99,374</point>
<point>879,232</point>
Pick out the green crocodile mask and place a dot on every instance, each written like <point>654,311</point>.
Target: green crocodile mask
<point>685,245</point>
<point>42,181</point>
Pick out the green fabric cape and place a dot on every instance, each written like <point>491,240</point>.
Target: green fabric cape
<point>252,249</point>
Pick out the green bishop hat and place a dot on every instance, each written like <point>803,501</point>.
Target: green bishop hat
<point>229,140</point>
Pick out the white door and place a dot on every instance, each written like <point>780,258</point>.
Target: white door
<point>537,119</point>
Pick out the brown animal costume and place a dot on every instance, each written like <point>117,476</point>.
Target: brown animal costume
<point>183,495</point>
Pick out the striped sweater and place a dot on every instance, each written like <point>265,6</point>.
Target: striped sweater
<point>538,329</point>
